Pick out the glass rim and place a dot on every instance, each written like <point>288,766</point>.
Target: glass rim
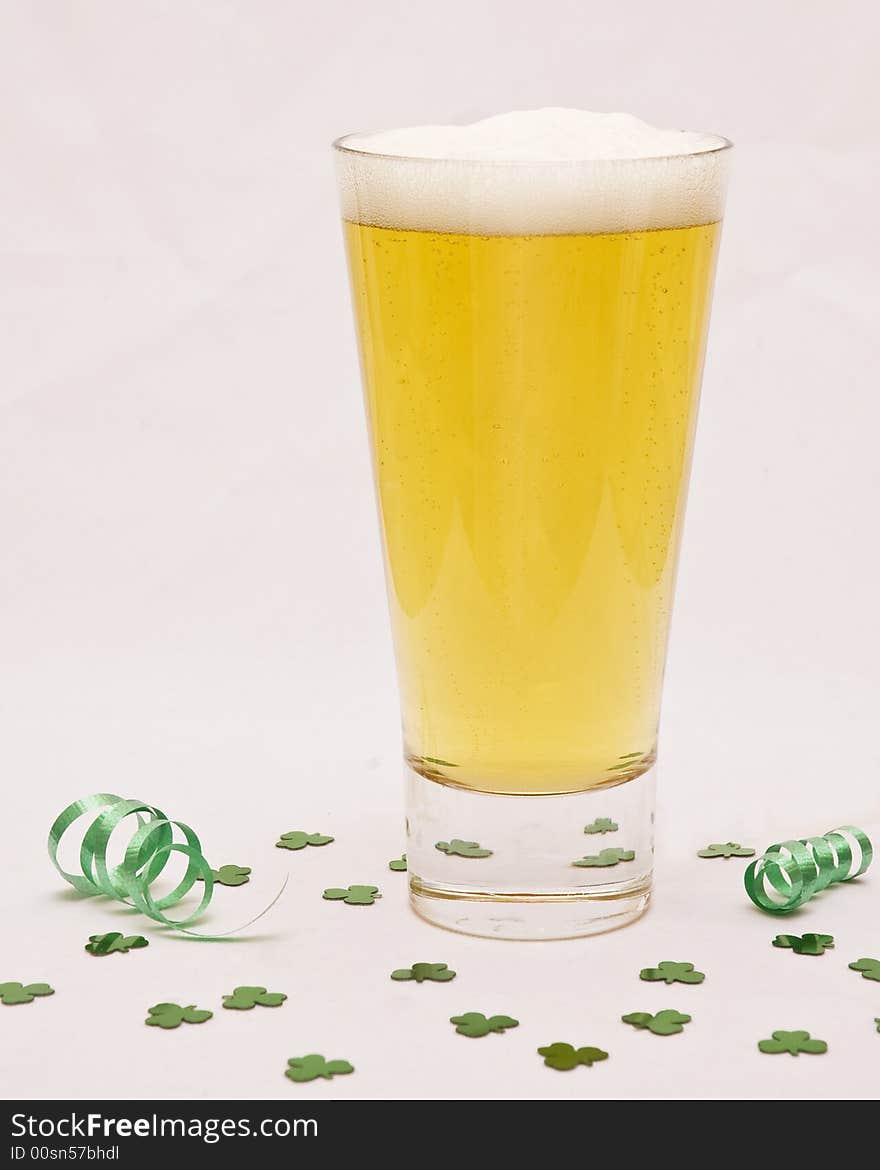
<point>342,146</point>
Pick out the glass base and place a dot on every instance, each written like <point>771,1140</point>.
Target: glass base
<point>523,867</point>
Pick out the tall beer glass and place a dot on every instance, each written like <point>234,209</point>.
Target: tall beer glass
<point>531,337</point>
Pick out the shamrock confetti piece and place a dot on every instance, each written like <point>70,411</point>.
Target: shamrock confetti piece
<point>566,1057</point>
<point>602,825</point>
<point>877,1022</point>
<point>728,849</point>
<point>309,1068</point>
<point>605,857</point>
<point>353,895</point>
<point>299,840</point>
<point>229,875</point>
<point>12,993</point>
<point>172,1015</point>
<point>114,942</point>
<point>806,944</point>
<point>435,972</point>
<point>665,1023</point>
<point>627,761</point>
<point>672,973</point>
<point>398,866</point>
<point>870,968</point>
<point>456,848</point>
<point>793,1042</point>
<point>244,998</point>
<point>476,1024</point>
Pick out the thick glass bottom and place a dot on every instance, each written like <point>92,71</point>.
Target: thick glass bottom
<point>530,867</point>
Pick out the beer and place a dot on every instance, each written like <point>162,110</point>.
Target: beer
<point>531,296</point>
<point>531,403</point>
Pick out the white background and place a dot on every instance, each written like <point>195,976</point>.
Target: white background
<point>191,602</point>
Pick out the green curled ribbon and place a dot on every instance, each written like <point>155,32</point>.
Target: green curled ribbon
<point>791,872</point>
<point>146,856</point>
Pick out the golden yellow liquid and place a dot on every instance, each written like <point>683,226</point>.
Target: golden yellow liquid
<point>531,402</point>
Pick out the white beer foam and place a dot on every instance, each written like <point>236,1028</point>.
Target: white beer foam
<point>549,135</point>
<point>540,172</point>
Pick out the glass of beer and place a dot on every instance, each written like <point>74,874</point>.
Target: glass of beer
<point>531,296</point>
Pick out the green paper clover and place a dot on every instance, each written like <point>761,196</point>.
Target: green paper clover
<point>665,1023</point>
<point>309,1068</point>
<point>398,866</point>
<point>566,1057</point>
<point>627,761</point>
<point>231,875</point>
<point>298,840</point>
<point>728,849</point>
<point>353,895</point>
<point>13,993</point>
<point>605,858</point>
<point>476,1024</point>
<point>672,973</point>
<point>793,1042</point>
<point>870,968</point>
<point>244,998</point>
<point>114,943</point>
<point>602,825</point>
<point>172,1015</point>
<point>806,944</point>
<point>877,1022</point>
<point>435,972</point>
<point>456,848</point>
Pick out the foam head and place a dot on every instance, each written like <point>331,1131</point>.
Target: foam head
<point>535,172</point>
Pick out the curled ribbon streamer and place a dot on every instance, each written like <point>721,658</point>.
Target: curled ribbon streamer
<point>789,873</point>
<point>145,858</point>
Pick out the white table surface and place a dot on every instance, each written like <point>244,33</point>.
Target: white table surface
<point>333,961</point>
<point>191,603</point>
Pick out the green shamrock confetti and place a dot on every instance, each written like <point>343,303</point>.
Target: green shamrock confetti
<point>353,895</point>
<point>877,1022</point>
<point>672,973</point>
<point>605,857</point>
<point>13,993</point>
<point>793,1042</point>
<point>456,848</point>
<point>602,825</point>
<point>805,944</point>
<point>566,1057</point>
<point>435,972</point>
<point>728,849</point>
<point>229,875</point>
<point>309,1068</point>
<point>870,968</point>
<point>299,840</point>
<point>399,866</point>
<point>172,1015</point>
<point>114,943</point>
<point>665,1023</point>
<point>476,1024</point>
<point>627,761</point>
<point>244,998</point>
